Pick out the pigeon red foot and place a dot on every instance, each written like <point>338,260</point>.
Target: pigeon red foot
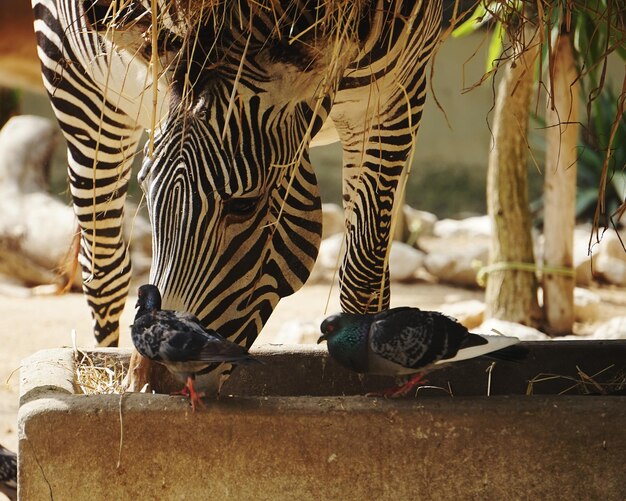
<point>190,392</point>
<point>400,390</point>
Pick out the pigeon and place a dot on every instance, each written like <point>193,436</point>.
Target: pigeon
<point>180,342</point>
<point>8,473</point>
<point>405,340</point>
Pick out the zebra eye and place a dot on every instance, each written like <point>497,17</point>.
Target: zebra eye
<point>240,206</point>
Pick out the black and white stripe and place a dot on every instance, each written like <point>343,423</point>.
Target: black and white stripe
<point>243,89</point>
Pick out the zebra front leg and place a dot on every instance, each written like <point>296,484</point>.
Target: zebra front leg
<point>101,148</point>
<point>377,114</point>
<point>100,154</point>
<point>370,187</point>
<point>98,186</point>
<point>98,110</point>
<point>371,173</point>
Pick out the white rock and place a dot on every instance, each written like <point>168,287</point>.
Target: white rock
<point>584,267</point>
<point>330,250</point>
<point>320,274</point>
<point>26,143</point>
<point>39,226</point>
<point>611,269</point>
<point>470,313</point>
<point>458,267</point>
<point>46,229</point>
<point>12,287</point>
<point>523,332</point>
<point>420,223</point>
<point>404,260</point>
<point>332,220</point>
<point>610,246</point>
<point>586,305</point>
<point>613,329</point>
<point>582,234</point>
<point>471,227</point>
<point>297,332</point>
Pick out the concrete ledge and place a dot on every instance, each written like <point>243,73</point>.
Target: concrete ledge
<point>47,371</point>
<point>270,446</point>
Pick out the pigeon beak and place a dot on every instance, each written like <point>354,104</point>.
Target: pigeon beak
<point>321,338</point>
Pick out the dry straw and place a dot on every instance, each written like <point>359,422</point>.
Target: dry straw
<point>583,383</point>
<point>98,373</point>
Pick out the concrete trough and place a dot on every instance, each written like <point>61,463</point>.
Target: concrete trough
<point>298,427</point>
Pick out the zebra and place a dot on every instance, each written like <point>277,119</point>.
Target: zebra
<point>234,93</point>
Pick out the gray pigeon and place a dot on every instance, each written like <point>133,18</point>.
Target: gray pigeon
<point>8,473</point>
<point>403,341</point>
<point>179,341</point>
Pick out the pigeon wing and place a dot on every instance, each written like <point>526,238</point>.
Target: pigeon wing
<point>194,343</point>
<point>402,337</point>
<point>220,349</point>
<point>411,338</point>
<point>168,336</point>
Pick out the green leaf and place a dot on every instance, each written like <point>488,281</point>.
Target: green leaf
<point>618,180</point>
<point>580,33</point>
<point>495,46</point>
<point>479,17</point>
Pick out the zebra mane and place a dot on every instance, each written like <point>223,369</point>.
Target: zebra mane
<point>200,41</point>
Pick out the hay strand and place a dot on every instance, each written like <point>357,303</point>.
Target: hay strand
<point>99,374</point>
<point>583,384</point>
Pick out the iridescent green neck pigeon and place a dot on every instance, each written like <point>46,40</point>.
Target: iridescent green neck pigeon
<point>8,473</point>
<point>403,341</point>
<point>179,341</point>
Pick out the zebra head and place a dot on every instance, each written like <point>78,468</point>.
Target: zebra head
<point>231,193</point>
<point>236,225</point>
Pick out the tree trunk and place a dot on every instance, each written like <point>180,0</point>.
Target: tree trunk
<point>512,290</point>
<point>560,190</point>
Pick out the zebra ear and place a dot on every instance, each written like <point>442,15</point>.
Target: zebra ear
<point>106,15</point>
<point>124,26</point>
<point>128,26</point>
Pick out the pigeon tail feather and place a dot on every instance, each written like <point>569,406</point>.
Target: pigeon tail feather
<point>514,353</point>
<point>484,345</point>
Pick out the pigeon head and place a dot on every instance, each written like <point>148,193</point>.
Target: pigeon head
<point>148,299</point>
<point>330,327</point>
<point>347,335</point>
